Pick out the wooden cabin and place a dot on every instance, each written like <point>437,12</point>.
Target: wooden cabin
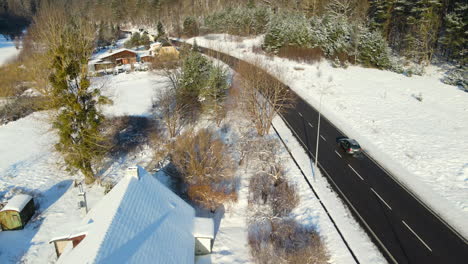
<point>123,56</point>
<point>17,212</point>
<point>146,58</point>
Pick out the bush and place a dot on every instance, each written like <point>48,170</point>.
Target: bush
<point>458,77</point>
<point>285,241</point>
<point>288,30</point>
<point>284,198</point>
<point>332,35</point>
<point>206,168</point>
<point>190,27</point>
<point>133,41</point>
<point>270,187</point>
<point>373,50</point>
<point>20,107</point>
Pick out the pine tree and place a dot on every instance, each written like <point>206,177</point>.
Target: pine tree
<point>195,72</point>
<point>161,30</point>
<point>78,119</point>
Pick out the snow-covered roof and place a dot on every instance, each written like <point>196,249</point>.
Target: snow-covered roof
<point>81,230</point>
<point>17,203</point>
<point>139,221</point>
<point>105,55</point>
<point>203,227</point>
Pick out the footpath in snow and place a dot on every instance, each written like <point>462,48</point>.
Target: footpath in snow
<point>420,142</point>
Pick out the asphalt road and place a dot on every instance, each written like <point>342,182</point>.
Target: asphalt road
<point>403,228</point>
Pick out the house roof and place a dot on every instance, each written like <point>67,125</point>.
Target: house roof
<point>17,203</point>
<point>139,221</point>
<point>107,55</point>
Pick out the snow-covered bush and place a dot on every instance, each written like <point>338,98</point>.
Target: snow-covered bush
<point>288,29</point>
<point>21,106</point>
<point>458,77</point>
<point>373,50</point>
<point>332,35</point>
<point>240,21</point>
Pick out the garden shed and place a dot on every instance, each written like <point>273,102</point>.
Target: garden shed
<point>17,212</point>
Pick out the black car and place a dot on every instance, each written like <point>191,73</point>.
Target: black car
<point>349,145</point>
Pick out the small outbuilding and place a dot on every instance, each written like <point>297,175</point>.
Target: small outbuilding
<point>17,212</point>
<point>203,231</point>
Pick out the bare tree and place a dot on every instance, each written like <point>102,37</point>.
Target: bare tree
<point>172,112</point>
<point>262,96</point>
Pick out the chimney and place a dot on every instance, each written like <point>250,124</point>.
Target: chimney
<point>133,172</point>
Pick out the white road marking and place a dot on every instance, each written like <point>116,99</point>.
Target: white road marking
<point>337,153</point>
<point>355,172</point>
<point>323,138</point>
<point>381,199</point>
<point>422,241</point>
<point>310,124</point>
<point>299,113</point>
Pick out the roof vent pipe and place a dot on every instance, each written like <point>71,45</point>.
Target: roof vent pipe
<point>133,172</point>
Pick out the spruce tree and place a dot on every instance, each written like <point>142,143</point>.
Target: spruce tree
<point>455,37</point>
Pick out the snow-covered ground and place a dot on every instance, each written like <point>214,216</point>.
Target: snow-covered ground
<point>421,142</point>
<point>7,50</point>
<point>132,93</point>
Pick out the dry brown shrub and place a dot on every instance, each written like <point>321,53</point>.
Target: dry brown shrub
<point>210,198</point>
<point>285,241</point>
<point>302,54</point>
<point>284,197</point>
<point>271,187</point>
<point>11,79</point>
<point>205,166</point>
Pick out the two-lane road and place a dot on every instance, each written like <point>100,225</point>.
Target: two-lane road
<point>404,228</point>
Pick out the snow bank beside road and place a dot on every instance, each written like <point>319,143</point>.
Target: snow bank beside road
<point>418,141</point>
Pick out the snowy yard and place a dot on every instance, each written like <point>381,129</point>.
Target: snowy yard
<point>419,141</point>
<point>29,164</point>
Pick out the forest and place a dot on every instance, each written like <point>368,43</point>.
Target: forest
<point>418,30</point>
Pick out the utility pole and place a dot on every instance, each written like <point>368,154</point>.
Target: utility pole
<point>322,90</point>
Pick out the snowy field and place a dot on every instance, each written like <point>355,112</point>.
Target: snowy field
<point>7,50</point>
<point>421,142</point>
